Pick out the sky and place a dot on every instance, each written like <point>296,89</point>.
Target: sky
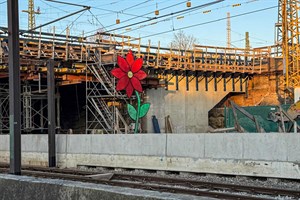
<point>208,28</point>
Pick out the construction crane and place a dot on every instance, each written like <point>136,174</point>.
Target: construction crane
<point>288,37</point>
<point>31,14</point>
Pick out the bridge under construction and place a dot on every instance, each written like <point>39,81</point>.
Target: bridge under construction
<point>76,71</point>
<point>69,87</point>
<point>86,67</point>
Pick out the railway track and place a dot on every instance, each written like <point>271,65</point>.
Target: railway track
<point>161,184</point>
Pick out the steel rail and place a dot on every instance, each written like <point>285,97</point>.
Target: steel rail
<point>165,181</point>
<point>135,185</point>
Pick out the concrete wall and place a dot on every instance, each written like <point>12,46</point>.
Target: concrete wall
<point>275,155</point>
<point>188,110</point>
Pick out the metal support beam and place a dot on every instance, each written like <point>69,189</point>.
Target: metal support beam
<point>206,83</point>
<point>166,82</point>
<point>197,81</point>
<point>187,81</point>
<point>166,79</point>
<point>233,82</point>
<point>14,87</point>
<point>1,53</point>
<point>224,82</point>
<point>241,83</point>
<point>246,87</point>
<point>58,110</point>
<point>177,81</point>
<point>1,121</point>
<point>51,114</point>
<point>215,82</point>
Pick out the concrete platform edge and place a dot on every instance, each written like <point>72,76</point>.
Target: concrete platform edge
<point>29,188</point>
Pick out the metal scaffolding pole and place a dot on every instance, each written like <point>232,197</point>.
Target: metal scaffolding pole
<point>14,87</point>
<point>51,114</point>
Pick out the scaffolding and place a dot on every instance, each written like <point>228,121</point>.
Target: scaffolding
<point>33,112</point>
<point>100,92</point>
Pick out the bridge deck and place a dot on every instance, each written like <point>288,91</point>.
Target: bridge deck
<point>73,55</point>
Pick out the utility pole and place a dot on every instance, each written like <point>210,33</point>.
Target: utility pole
<point>247,42</point>
<point>228,30</point>
<point>14,87</point>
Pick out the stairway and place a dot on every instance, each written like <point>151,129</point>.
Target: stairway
<point>98,98</point>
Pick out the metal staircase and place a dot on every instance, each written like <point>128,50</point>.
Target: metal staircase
<point>100,117</point>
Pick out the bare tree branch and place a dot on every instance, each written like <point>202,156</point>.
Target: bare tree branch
<point>183,41</point>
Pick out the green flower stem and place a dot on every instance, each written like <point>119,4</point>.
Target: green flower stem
<point>136,129</point>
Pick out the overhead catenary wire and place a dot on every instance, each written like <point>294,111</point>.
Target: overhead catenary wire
<point>67,3</point>
<point>122,11</point>
<point>139,16</point>
<point>44,1</point>
<point>111,3</point>
<point>250,36</point>
<point>72,23</point>
<point>183,14</point>
<point>96,18</point>
<point>113,11</point>
<point>209,22</point>
<point>135,5</point>
<point>161,2</point>
<point>162,16</point>
<point>135,8</point>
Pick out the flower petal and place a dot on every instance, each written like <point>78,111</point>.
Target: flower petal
<point>123,64</point>
<point>130,58</point>
<point>137,65</point>
<point>136,84</point>
<point>140,75</point>
<point>129,89</point>
<point>122,83</point>
<point>118,73</point>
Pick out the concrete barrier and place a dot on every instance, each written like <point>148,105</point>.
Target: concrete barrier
<point>30,188</point>
<point>262,154</point>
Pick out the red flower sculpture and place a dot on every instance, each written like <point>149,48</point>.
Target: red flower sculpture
<point>129,74</point>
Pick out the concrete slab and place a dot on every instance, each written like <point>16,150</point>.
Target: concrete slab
<point>4,142</point>
<point>79,144</point>
<point>131,144</point>
<point>33,143</point>
<point>293,150</point>
<point>61,143</point>
<point>270,147</point>
<point>191,145</point>
<point>224,146</point>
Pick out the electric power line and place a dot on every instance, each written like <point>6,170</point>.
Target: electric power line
<point>183,14</point>
<point>72,23</point>
<point>96,19</point>
<point>162,16</point>
<point>250,36</point>
<point>209,22</point>
<point>43,1</point>
<point>135,5</point>
<point>145,14</point>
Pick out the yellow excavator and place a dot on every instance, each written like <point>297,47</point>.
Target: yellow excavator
<point>294,110</point>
